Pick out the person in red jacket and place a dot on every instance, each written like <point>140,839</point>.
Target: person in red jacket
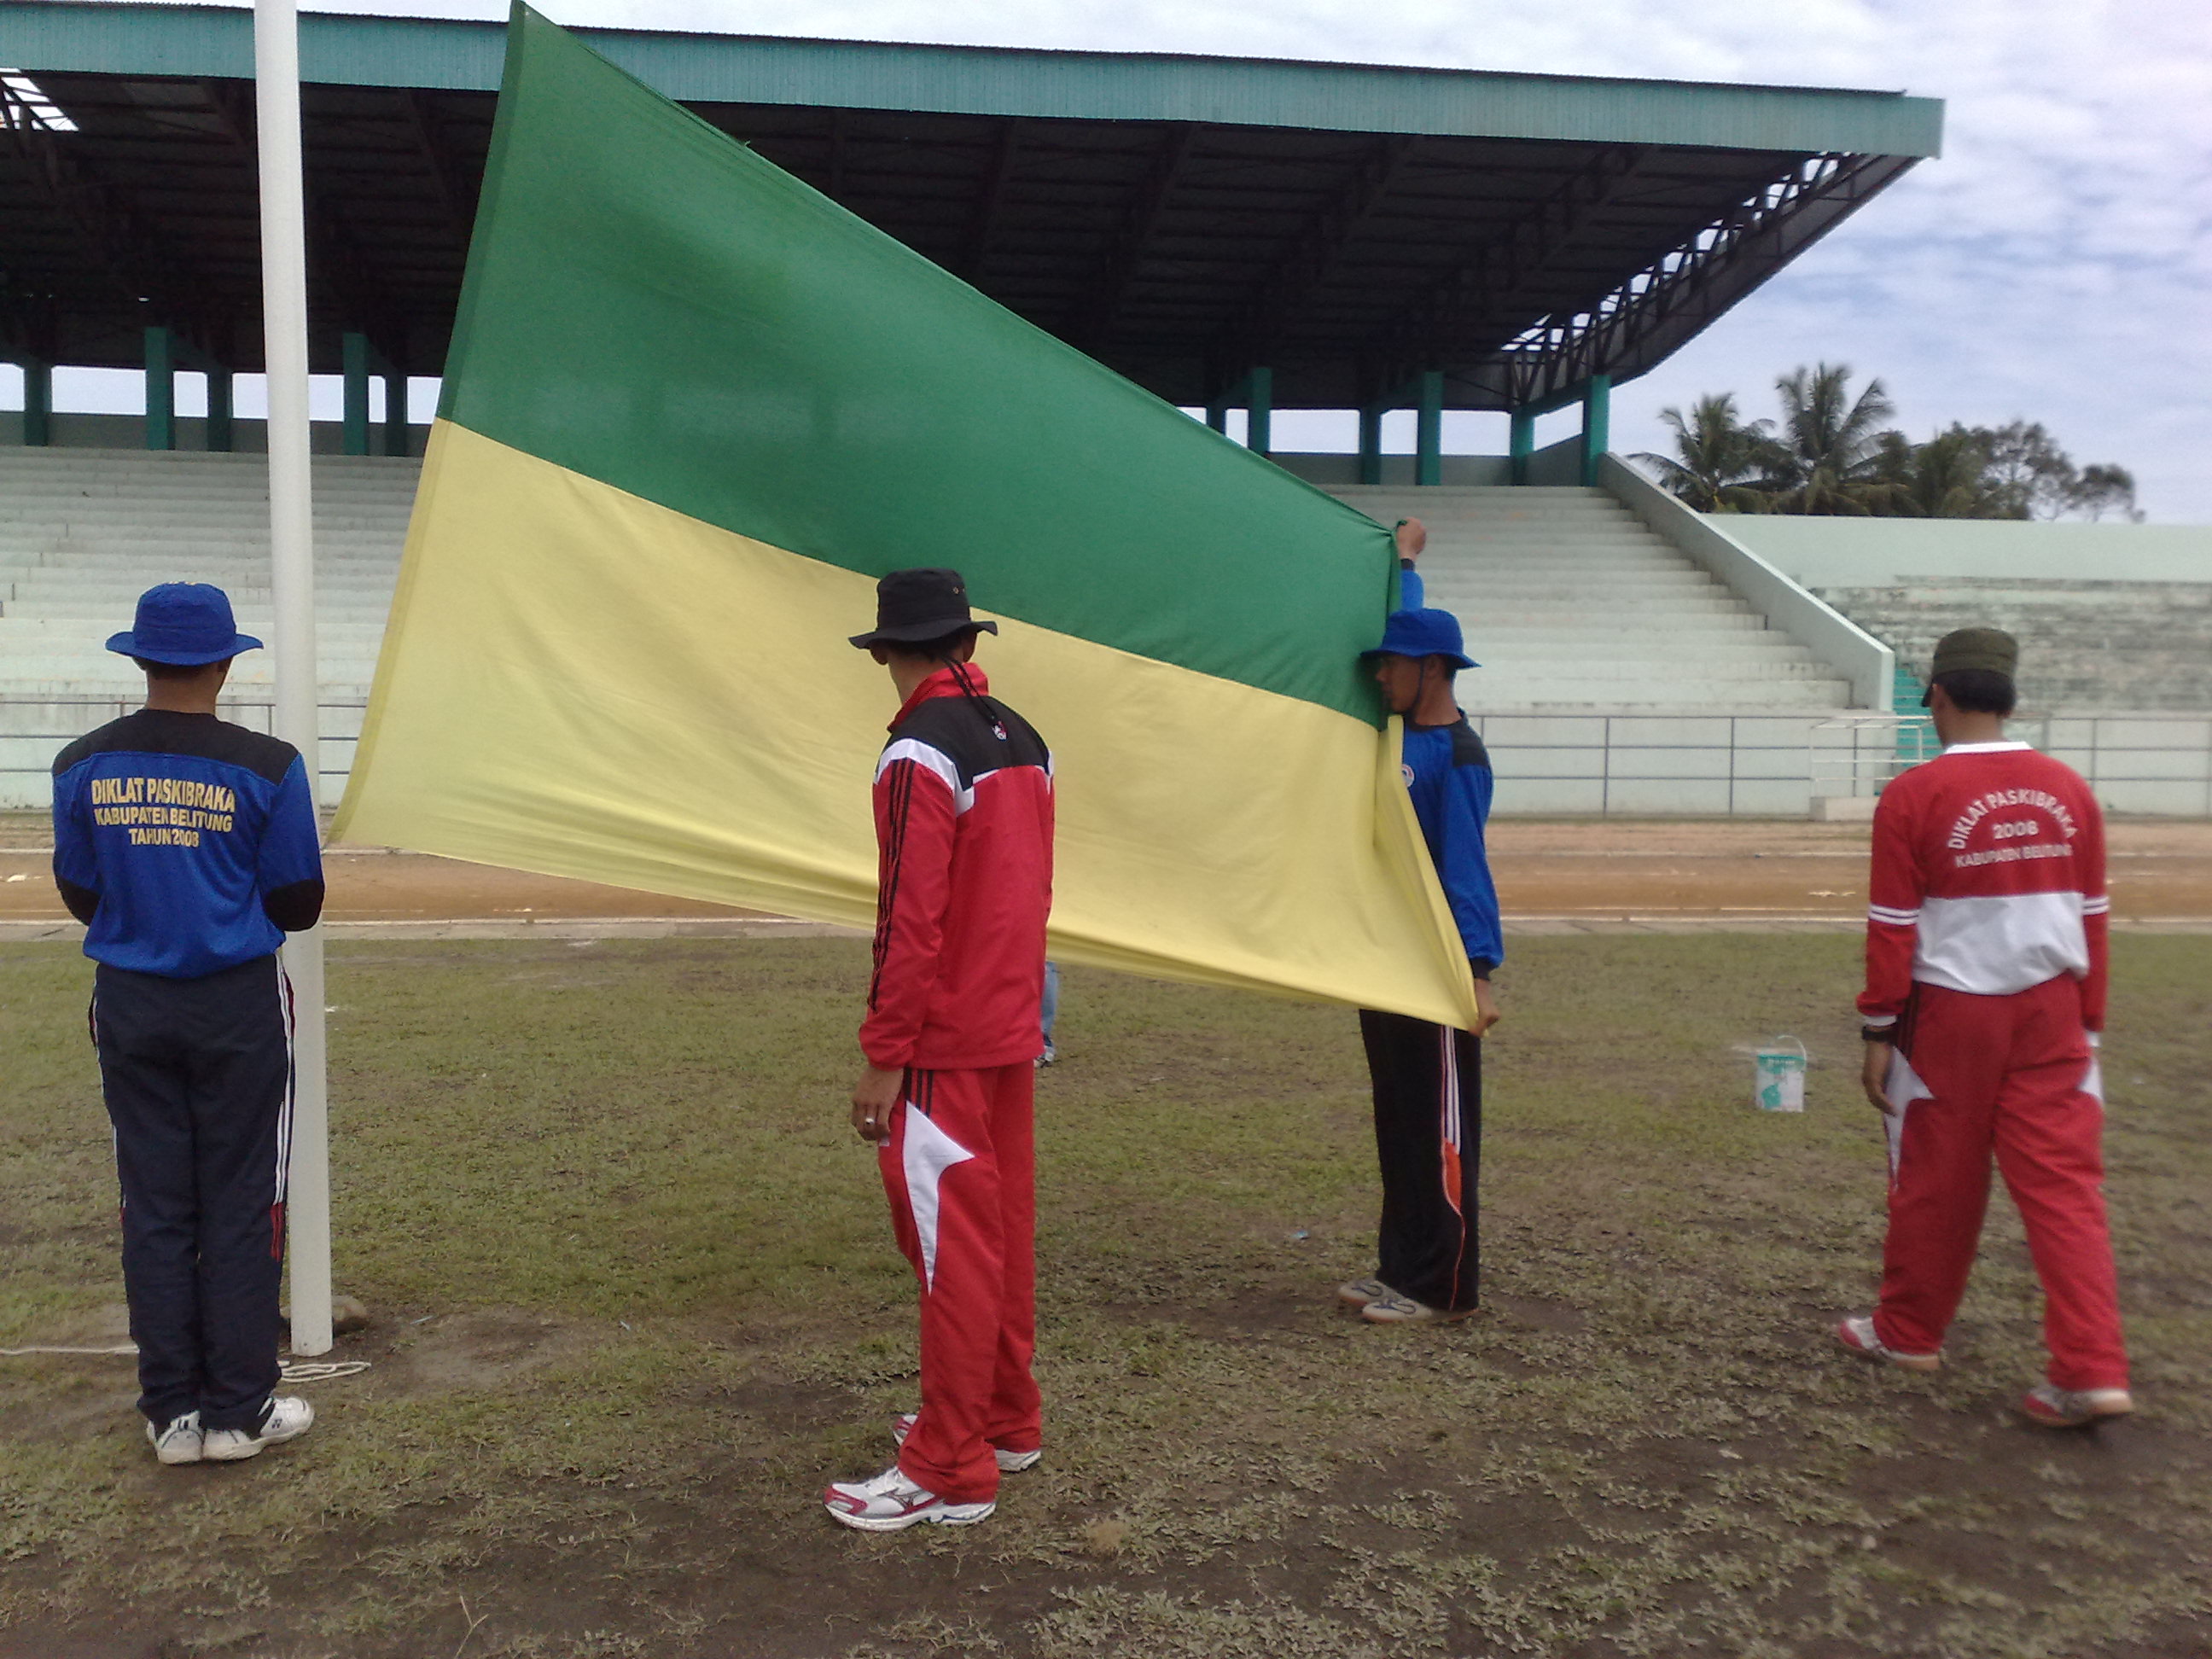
<point>963,808</point>
<point>1984,996</point>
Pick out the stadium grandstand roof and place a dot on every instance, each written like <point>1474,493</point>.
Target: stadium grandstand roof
<point>1184,219</point>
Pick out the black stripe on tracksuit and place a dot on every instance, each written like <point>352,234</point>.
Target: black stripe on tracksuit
<point>198,1074</point>
<point>1428,1139</point>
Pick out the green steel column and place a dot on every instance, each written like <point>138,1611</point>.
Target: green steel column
<point>1259,414</point>
<point>355,362</point>
<point>219,436</point>
<point>1597,409</point>
<point>395,413</point>
<point>1428,430</point>
<point>1217,416</point>
<point>1371,446</point>
<point>1522,443</point>
<point>160,389</point>
<point>38,404</point>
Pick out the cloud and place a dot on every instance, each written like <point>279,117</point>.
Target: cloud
<point>2051,264</point>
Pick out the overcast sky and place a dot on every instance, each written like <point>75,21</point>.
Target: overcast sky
<point>2054,263</point>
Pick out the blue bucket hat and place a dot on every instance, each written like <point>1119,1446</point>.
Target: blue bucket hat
<point>1423,634</point>
<point>184,625</point>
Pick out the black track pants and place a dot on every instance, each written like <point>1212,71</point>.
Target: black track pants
<point>197,1075</point>
<point>1428,1139</point>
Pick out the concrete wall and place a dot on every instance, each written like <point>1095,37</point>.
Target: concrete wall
<point>248,437</point>
<point>1823,553</point>
<point>1554,464</point>
<point>1330,472</point>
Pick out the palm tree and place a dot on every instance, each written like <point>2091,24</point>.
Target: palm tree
<point>1717,456</point>
<point>1830,457</point>
<point>1949,477</point>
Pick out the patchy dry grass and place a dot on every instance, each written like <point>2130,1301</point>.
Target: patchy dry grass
<point>636,1300</point>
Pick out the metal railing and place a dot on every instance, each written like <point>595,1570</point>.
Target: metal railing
<point>1607,765</point>
<point>1775,765</point>
<point>63,719</point>
<point>1859,770</point>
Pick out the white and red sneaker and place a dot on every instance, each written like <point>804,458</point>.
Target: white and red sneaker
<point>2054,1407</point>
<point>1855,1332</point>
<point>891,1502</point>
<point>1010,1462</point>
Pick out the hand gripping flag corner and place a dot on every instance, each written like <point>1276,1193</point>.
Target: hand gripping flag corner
<point>693,410</point>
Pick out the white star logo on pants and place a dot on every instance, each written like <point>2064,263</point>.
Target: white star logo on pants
<point>928,1154</point>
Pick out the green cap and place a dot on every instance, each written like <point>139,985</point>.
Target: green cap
<point>1990,649</point>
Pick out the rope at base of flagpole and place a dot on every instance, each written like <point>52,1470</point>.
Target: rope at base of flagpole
<point>291,1370</point>
<point>321,1370</point>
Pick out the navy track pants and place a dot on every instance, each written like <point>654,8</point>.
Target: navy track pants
<point>1428,1139</point>
<point>198,1077</point>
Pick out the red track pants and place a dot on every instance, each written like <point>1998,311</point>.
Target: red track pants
<point>2015,1074</point>
<point>960,1168</point>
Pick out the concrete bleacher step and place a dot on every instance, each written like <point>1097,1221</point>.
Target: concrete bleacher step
<point>1575,607</point>
<point>1573,604</point>
<point>2086,646</point>
<point>83,532</point>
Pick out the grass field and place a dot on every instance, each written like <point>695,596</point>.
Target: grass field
<point>636,1300</point>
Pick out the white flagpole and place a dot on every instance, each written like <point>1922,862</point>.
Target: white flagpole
<point>292,569</point>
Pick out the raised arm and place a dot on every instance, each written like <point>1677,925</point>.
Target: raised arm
<point>1412,537</point>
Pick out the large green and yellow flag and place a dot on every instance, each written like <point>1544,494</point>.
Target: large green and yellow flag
<point>693,410</point>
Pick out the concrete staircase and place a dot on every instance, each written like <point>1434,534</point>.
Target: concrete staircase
<point>84,531</point>
<point>1572,606</point>
<point>2087,646</point>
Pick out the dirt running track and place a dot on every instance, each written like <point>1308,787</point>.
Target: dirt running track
<point>1656,869</point>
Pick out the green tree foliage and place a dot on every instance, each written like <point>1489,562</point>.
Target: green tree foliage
<point>1829,460</point>
<point>1721,456</point>
<point>1949,477</point>
<point>1834,453</point>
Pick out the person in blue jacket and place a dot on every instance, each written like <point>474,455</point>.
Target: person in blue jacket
<point>1427,1079</point>
<point>188,848</point>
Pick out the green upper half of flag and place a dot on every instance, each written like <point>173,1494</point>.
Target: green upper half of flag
<point>652,305</point>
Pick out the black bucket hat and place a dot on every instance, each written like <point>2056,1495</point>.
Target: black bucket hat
<point>916,605</point>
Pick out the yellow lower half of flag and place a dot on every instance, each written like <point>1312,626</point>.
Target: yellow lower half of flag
<point>577,682</point>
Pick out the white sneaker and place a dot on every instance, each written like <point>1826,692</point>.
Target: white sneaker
<point>1358,1292</point>
<point>178,1440</point>
<point>1392,1309</point>
<point>1009,1463</point>
<point>287,1417</point>
<point>891,1502</point>
<point>1855,1332</point>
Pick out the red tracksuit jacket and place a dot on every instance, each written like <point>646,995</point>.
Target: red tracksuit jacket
<point>1989,878</point>
<point>963,836</point>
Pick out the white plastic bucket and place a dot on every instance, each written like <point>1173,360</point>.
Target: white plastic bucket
<point>1779,1075</point>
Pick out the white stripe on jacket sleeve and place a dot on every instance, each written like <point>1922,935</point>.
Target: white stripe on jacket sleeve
<point>934,760</point>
